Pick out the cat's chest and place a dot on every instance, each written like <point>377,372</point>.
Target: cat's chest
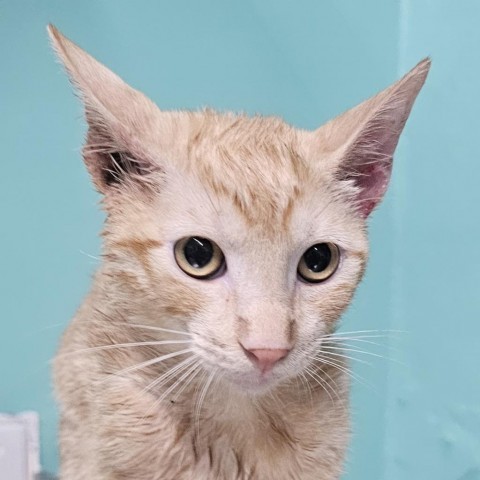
<point>251,445</point>
<point>225,438</point>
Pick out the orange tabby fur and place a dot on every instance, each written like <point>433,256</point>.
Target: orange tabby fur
<point>264,192</point>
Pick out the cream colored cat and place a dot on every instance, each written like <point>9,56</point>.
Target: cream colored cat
<point>206,347</point>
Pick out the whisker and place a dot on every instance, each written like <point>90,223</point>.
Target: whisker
<point>359,360</point>
<point>137,325</point>
<point>199,403</point>
<point>177,382</point>
<point>341,400</point>
<point>162,379</point>
<point>200,383</point>
<point>352,348</point>
<point>179,368</point>
<point>304,381</point>
<point>159,329</point>
<point>279,405</point>
<point>48,327</point>
<point>320,381</point>
<point>342,341</point>
<point>147,363</point>
<point>89,255</point>
<point>352,339</point>
<point>385,333</point>
<point>195,370</point>
<point>124,345</point>
<point>343,349</point>
<point>345,370</point>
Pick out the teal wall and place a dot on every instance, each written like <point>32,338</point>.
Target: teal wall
<point>433,409</point>
<point>305,60</point>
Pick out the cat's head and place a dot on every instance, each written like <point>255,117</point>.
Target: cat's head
<point>246,232</point>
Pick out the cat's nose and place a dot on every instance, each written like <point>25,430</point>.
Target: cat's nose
<point>266,358</point>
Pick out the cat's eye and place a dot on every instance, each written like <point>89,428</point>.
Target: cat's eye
<point>319,262</point>
<point>199,257</point>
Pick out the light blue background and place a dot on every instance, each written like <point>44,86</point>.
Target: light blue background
<point>306,60</point>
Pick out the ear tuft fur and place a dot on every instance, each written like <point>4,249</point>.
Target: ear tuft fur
<point>364,138</point>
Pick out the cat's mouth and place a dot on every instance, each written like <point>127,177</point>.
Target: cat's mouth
<point>255,381</point>
<point>253,377</point>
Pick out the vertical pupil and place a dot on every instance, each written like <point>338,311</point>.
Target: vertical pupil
<point>198,252</point>
<point>318,257</point>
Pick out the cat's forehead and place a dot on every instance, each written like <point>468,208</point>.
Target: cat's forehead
<point>257,164</point>
<point>248,179</point>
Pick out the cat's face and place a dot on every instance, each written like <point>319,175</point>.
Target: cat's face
<point>264,210</point>
<point>245,232</point>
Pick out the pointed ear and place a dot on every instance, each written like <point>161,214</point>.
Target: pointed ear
<point>119,118</point>
<point>360,143</point>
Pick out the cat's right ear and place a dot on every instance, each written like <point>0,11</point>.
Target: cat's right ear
<point>121,120</point>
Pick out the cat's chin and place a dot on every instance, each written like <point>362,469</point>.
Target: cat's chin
<point>255,383</point>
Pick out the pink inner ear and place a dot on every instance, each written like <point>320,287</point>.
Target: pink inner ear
<point>372,181</point>
<point>371,132</point>
<point>369,162</point>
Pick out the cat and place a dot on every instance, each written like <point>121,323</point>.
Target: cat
<point>206,348</point>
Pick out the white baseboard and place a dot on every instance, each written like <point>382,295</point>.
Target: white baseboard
<point>19,446</point>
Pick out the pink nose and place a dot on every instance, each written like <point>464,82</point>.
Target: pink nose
<point>266,358</point>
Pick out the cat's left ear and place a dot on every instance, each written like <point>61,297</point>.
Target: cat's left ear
<point>122,122</point>
<point>358,145</point>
